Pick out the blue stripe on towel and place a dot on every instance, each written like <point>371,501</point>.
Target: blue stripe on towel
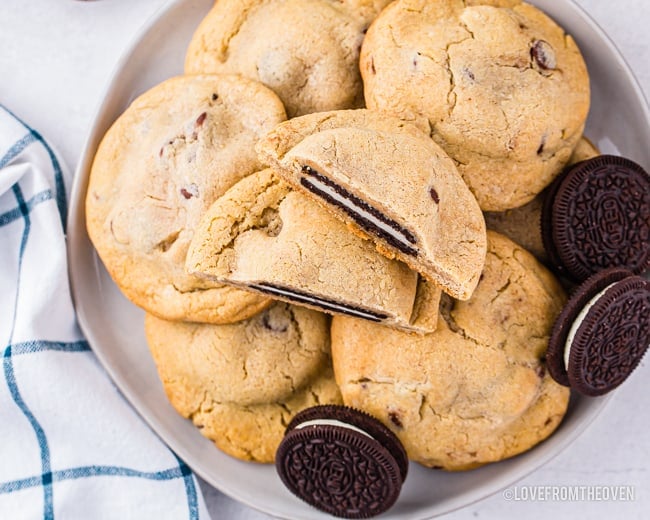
<point>29,347</point>
<point>59,184</point>
<point>17,147</point>
<point>48,508</point>
<point>92,471</point>
<point>9,216</point>
<point>190,488</point>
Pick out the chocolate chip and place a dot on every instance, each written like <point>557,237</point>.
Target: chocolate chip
<point>274,323</point>
<point>191,191</point>
<point>201,119</point>
<point>215,97</point>
<point>541,146</point>
<point>544,55</point>
<point>395,419</point>
<point>415,59</point>
<point>434,195</point>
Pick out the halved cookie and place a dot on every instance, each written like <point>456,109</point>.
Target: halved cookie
<point>264,236</point>
<point>390,182</point>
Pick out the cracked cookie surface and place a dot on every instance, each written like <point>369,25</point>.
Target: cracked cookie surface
<point>523,224</point>
<point>504,90</point>
<point>306,51</point>
<point>173,151</point>
<point>474,391</point>
<point>389,182</point>
<point>264,236</point>
<point>241,383</point>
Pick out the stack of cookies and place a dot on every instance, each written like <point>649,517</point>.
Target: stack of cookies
<point>302,215</point>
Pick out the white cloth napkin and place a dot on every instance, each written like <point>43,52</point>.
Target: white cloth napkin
<point>70,445</point>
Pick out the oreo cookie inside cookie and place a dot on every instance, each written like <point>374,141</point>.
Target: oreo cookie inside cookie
<point>321,303</point>
<point>367,217</point>
<point>602,334</point>
<point>342,461</point>
<point>597,215</point>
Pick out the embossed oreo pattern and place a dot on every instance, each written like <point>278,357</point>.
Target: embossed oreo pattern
<point>612,339</point>
<point>339,471</point>
<point>601,217</point>
<point>355,417</point>
<point>580,297</point>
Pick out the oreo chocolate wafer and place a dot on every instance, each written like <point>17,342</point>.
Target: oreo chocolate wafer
<point>597,215</point>
<point>602,333</point>
<point>342,461</point>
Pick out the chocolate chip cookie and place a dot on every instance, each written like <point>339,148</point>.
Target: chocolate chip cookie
<point>474,391</point>
<point>173,151</point>
<point>241,383</point>
<point>503,88</point>
<point>306,51</point>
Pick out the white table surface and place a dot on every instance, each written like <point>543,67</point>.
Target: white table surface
<point>56,57</point>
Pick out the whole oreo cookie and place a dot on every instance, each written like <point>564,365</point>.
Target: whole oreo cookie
<point>597,215</point>
<point>602,334</point>
<point>342,461</point>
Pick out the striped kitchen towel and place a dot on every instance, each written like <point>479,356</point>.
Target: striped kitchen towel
<point>70,445</point>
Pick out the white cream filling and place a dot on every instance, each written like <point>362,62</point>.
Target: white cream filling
<point>368,216</point>
<point>319,303</point>
<point>332,422</point>
<point>577,322</point>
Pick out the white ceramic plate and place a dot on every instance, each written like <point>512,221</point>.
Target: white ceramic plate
<point>618,123</point>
